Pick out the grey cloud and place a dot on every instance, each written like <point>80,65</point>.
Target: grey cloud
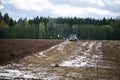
<point>110,5</point>
<point>105,6</point>
<point>82,3</point>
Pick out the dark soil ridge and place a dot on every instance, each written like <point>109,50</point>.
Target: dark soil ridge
<point>12,50</point>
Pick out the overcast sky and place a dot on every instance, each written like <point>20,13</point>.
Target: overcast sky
<point>60,8</point>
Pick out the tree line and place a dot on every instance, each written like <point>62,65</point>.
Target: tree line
<point>60,28</point>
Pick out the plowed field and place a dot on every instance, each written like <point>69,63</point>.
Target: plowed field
<point>69,60</point>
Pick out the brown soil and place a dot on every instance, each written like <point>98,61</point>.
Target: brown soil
<point>111,55</point>
<point>111,58</point>
<point>15,49</point>
<point>106,67</point>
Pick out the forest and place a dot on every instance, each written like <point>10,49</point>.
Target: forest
<point>59,28</point>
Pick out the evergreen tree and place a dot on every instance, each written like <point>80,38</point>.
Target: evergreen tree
<point>6,18</point>
<point>4,30</point>
<point>42,30</point>
<point>0,16</point>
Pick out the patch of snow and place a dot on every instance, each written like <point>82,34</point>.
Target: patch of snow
<point>45,75</point>
<point>98,45</point>
<point>59,47</point>
<point>84,44</point>
<point>29,76</point>
<point>11,74</point>
<point>41,54</point>
<point>35,73</point>
<point>91,44</point>
<point>13,71</point>
<point>53,65</point>
<point>87,59</point>
<point>30,65</point>
<point>79,61</point>
<point>51,48</point>
<point>14,64</point>
<point>51,77</point>
<point>2,67</point>
<point>87,52</point>
<point>62,45</point>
